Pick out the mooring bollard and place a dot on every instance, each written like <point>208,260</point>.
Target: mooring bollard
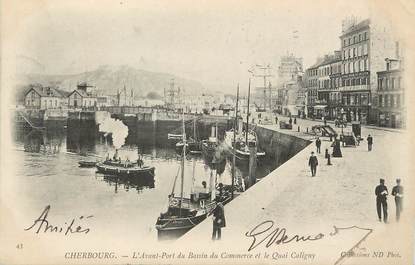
<point>298,129</point>
<point>307,129</point>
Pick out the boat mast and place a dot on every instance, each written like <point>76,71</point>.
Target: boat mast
<point>247,114</point>
<point>234,139</point>
<point>194,128</point>
<point>216,130</point>
<point>183,157</point>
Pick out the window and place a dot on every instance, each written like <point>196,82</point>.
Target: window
<point>392,101</point>
<point>347,82</point>
<point>365,49</point>
<point>354,39</point>
<point>56,102</point>
<point>380,101</point>
<point>363,81</point>
<point>398,101</point>
<point>361,66</point>
<point>366,65</point>
<point>386,84</point>
<point>344,54</point>
<point>393,83</point>
<point>380,83</point>
<point>360,37</point>
<point>358,82</point>
<point>348,53</point>
<point>353,82</point>
<point>349,40</point>
<point>359,50</point>
<point>399,83</point>
<point>386,104</point>
<point>344,42</point>
<point>354,52</point>
<point>365,36</point>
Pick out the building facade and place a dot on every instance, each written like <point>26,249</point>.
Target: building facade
<point>364,46</point>
<point>290,85</point>
<point>82,97</point>
<point>328,80</point>
<point>391,95</point>
<point>311,84</point>
<point>40,97</point>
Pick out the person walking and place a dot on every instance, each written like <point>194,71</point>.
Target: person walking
<point>290,121</point>
<point>295,120</point>
<point>318,145</point>
<point>381,192</point>
<point>218,221</point>
<point>397,191</point>
<point>369,142</point>
<point>313,163</point>
<point>276,120</point>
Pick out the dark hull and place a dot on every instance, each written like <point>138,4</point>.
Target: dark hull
<point>178,224</point>
<point>124,172</point>
<point>193,148</point>
<point>87,163</point>
<point>244,155</point>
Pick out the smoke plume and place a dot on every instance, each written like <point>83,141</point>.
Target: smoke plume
<point>115,127</point>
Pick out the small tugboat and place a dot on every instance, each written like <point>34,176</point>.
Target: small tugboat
<point>240,143</point>
<point>185,213</point>
<point>193,145</point>
<point>210,145</point>
<point>124,168</point>
<point>84,163</point>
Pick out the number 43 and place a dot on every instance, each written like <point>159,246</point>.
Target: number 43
<point>19,246</point>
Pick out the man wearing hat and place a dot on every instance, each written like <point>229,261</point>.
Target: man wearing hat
<point>218,221</point>
<point>381,192</point>
<point>313,162</point>
<point>397,191</point>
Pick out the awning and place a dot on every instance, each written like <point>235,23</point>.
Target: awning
<point>320,107</point>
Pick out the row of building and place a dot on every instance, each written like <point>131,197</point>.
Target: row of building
<point>83,97</point>
<point>362,81</point>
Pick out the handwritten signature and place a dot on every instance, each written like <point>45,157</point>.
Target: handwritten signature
<point>266,233</point>
<point>43,225</point>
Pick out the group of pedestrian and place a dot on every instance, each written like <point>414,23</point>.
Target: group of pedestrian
<point>381,193</point>
<point>381,190</point>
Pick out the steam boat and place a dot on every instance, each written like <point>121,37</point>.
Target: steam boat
<point>124,168</point>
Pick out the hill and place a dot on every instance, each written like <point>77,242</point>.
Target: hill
<point>108,79</point>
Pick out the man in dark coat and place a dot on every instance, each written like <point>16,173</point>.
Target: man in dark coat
<point>397,191</point>
<point>290,121</point>
<point>381,192</point>
<point>318,145</point>
<point>313,162</point>
<point>369,142</point>
<point>218,221</point>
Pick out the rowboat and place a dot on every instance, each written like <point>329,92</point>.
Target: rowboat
<point>87,163</point>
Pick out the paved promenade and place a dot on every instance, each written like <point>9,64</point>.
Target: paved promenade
<point>340,195</point>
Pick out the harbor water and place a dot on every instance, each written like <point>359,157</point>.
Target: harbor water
<point>49,174</point>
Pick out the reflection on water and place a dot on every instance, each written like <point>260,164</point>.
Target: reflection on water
<point>127,183</point>
<point>49,174</point>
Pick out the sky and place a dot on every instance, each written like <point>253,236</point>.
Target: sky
<point>214,42</point>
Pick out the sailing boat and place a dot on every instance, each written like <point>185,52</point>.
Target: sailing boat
<point>192,144</point>
<point>185,213</point>
<point>240,142</point>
